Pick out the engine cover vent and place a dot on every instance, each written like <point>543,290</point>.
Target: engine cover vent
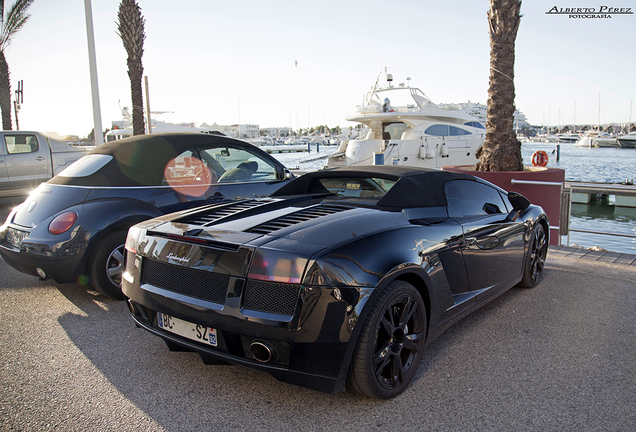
<point>213,214</point>
<point>297,217</point>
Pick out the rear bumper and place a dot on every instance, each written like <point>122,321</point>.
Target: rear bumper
<point>61,259</point>
<point>230,351</point>
<point>313,340</point>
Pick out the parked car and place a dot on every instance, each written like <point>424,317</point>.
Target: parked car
<point>30,158</point>
<point>341,276</point>
<point>73,227</point>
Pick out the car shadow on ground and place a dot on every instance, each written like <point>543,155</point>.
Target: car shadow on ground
<point>165,384</point>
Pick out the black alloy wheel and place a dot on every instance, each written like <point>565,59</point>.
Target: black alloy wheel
<point>106,265</point>
<point>391,342</point>
<point>535,259</point>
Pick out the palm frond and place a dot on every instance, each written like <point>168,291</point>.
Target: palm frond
<point>15,19</point>
<point>131,28</point>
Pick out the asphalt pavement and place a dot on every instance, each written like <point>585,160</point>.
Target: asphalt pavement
<point>559,357</point>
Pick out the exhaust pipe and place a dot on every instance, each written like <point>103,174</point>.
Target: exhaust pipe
<point>262,352</point>
<point>133,309</point>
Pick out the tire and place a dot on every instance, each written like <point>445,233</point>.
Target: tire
<point>106,264</point>
<point>535,258</point>
<point>389,349</point>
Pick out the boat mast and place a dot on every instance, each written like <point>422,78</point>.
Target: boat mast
<point>599,112</point>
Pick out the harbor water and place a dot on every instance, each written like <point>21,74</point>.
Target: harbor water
<point>604,165</point>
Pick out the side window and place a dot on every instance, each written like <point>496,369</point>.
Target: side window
<point>471,198</point>
<point>475,124</point>
<point>455,131</point>
<point>21,144</point>
<point>233,164</point>
<point>186,169</point>
<point>437,130</point>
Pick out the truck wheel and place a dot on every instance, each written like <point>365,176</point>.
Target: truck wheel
<point>106,264</point>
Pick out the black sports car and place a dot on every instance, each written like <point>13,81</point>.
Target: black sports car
<point>73,227</point>
<point>341,276</point>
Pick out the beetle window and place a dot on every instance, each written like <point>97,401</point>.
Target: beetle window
<point>86,165</point>
<point>186,169</point>
<point>233,164</point>
<point>471,198</point>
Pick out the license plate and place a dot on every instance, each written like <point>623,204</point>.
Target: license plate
<point>195,332</point>
<point>15,237</point>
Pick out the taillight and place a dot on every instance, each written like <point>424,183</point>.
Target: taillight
<point>62,223</point>
<point>277,266</point>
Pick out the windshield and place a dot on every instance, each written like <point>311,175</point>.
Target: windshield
<point>351,187</point>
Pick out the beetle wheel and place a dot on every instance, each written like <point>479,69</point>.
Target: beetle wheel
<point>390,346</point>
<point>106,265</point>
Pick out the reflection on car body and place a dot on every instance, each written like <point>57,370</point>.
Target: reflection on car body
<point>341,276</point>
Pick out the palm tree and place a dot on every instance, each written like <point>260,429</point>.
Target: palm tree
<point>11,23</point>
<point>131,30</point>
<point>501,150</point>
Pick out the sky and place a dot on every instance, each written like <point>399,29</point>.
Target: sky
<point>307,63</point>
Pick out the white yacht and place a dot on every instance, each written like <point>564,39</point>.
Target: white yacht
<point>628,141</point>
<point>123,129</point>
<point>407,128</point>
<point>597,139</point>
<point>568,137</point>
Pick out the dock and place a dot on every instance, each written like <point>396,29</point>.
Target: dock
<point>600,256</point>
<point>585,192</point>
<point>285,148</point>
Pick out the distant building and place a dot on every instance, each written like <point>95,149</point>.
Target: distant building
<point>277,131</point>
<point>225,130</point>
<point>235,130</point>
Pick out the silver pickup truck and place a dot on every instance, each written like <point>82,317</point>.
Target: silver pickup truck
<point>30,158</point>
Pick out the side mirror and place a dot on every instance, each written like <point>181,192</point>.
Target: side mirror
<point>518,201</point>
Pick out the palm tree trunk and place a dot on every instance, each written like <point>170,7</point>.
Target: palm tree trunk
<point>131,31</point>
<point>135,73</point>
<point>5,93</point>
<point>501,150</point>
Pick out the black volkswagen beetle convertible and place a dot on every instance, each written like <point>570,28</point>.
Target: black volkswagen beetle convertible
<point>340,277</point>
<point>72,228</point>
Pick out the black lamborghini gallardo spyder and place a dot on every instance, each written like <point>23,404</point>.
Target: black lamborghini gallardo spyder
<point>339,278</point>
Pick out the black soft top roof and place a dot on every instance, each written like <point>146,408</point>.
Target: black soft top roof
<point>141,160</point>
<point>414,187</point>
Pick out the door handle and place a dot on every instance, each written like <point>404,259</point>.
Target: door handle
<point>469,241</point>
<point>39,158</point>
